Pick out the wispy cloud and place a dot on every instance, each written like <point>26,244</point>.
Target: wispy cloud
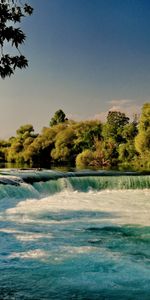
<point>127,106</point>
<point>122,102</point>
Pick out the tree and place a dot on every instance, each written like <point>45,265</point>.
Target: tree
<point>25,130</point>
<point>130,131</point>
<point>114,126</point>
<point>97,159</point>
<point>11,13</point>
<point>25,136</point>
<point>87,132</point>
<point>127,152</point>
<point>84,158</point>
<point>117,119</point>
<point>63,151</point>
<point>59,117</point>
<point>4,145</point>
<point>142,140</point>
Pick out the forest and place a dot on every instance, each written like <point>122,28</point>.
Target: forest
<point>116,144</point>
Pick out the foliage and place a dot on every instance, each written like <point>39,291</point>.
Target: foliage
<point>129,131</point>
<point>25,130</point>
<point>118,142</point>
<point>127,152</point>
<point>116,121</point>
<point>86,133</point>
<point>59,117</point>
<point>142,140</point>
<point>39,151</point>
<point>63,151</point>
<point>101,157</point>
<point>11,13</point>
<point>144,124</point>
<point>84,159</point>
<point>18,145</point>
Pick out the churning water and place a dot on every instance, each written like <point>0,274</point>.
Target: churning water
<point>74,236</point>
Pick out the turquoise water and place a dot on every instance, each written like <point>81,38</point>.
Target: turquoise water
<point>74,237</point>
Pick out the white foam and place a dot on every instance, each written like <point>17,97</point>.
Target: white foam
<point>26,236</point>
<point>31,254</point>
<point>78,250</point>
<point>9,230</point>
<point>123,207</point>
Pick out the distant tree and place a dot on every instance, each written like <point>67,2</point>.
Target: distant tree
<point>86,134</point>
<point>117,119</point>
<point>4,145</point>
<point>63,151</point>
<point>127,152</point>
<point>11,13</point>
<point>84,158</point>
<point>114,126</point>
<point>25,130</point>
<point>130,131</point>
<point>142,140</point>
<point>117,143</point>
<point>59,117</point>
<point>25,136</point>
<point>97,159</point>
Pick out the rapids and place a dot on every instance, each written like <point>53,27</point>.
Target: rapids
<point>83,235</point>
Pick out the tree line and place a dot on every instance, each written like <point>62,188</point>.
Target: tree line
<point>117,143</point>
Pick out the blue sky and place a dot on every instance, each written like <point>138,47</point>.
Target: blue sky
<point>85,57</point>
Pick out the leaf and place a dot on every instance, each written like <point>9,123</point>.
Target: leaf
<point>18,37</point>
<point>28,9</point>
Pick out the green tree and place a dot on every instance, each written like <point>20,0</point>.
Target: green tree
<point>59,117</point>
<point>126,149</point>
<point>114,126</point>
<point>127,152</point>
<point>130,131</point>
<point>142,140</point>
<point>25,131</point>
<point>25,136</point>
<point>63,151</point>
<point>84,158</point>
<point>88,143</point>
<point>4,146</point>
<point>39,151</point>
<point>11,13</point>
<point>99,158</point>
<point>86,134</point>
<point>117,119</point>
<point>32,153</point>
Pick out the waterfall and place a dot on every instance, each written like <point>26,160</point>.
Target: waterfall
<point>32,184</point>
